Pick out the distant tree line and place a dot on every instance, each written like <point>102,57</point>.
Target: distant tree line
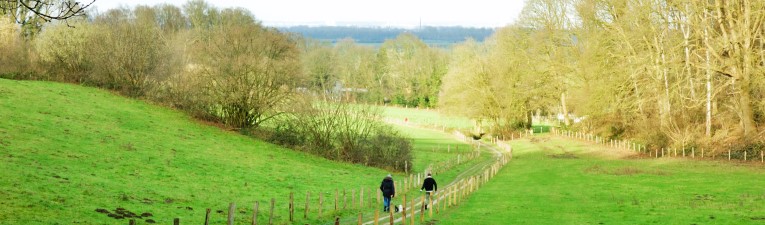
<point>404,71</point>
<point>428,34</point>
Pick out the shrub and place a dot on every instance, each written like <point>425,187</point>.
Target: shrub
<point>344,132</point>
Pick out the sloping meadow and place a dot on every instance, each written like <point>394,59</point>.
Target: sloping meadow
<point>70,154</point>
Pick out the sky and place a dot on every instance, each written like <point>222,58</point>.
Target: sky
<point>395,13</point>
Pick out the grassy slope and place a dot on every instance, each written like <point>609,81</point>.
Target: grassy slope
<point>591,189</point>
<point>66,150</point>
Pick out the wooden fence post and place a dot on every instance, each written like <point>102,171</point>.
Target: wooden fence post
<point>728,155</point>
<point>360,219</point>
<point>693,152</point>
<point>307,201</point>
<point>411,218</point>
<point>271,213</point>
<point>453,195</point>
<point>207,217</point>
<point>422,210</point>
<point>177,221</point>
<point>255,213</point>
<point>377,217</point>
<point>403,211</point>
<point>390,211</point>
<point>353,198</point>
<point>361,198</point>
<point>231,213</point>
<point>292,206</point>
<point>762,157</point>
<point>336,193</point>
<point>345,199</point>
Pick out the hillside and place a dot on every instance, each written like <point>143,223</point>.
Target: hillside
<point>67,150</point>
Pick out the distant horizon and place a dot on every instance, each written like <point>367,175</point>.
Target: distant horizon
<point>391,13</point>
<point>366,25</point>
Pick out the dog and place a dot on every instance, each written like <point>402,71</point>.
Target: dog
<point>399,208</point>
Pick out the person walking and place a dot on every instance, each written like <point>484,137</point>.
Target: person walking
<point>430,187</point>
<point>388,191</point>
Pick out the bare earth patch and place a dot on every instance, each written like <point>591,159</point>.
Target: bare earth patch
<point>565,155</point>
<point>623,171</point>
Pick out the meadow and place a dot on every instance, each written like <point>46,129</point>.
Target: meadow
<point>67,151</point>
<point>558,181</point>
<point>428,118</point>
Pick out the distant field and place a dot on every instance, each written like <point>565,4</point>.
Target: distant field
<point>67,150</point>
<point>427,117</point>
<point>557,181</point>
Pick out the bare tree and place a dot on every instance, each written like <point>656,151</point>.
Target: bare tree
<point>47,10</point>
<point>251,71</point>
<point>31,14</point>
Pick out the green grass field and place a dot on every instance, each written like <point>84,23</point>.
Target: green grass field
<point>427,117</point>
<point>555,181</point>
<point>67,150</point>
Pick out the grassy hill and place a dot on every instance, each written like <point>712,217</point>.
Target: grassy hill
<point>67,150</point>
<point>557,181</point>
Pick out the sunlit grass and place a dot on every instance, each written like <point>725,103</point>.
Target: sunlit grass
<point>428,117</point>
<point>66,151</point>
<point>563,182</point>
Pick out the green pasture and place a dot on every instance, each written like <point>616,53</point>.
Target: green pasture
<point>556,181</point>
<point>427,117</point>
<point>67,150</point>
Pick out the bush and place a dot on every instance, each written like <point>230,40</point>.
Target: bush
<point>388,151</point>
<point>339,131</point>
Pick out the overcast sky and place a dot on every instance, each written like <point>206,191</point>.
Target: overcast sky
<point>400,13</point>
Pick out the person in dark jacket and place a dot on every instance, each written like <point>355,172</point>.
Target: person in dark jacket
<point>388,191</point>
<point>430,187</point>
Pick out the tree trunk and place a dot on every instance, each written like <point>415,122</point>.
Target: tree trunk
<point>687,47</point>
<point>707,56</point>
<point>745,102</point>
<point>564,108</point>
<point>529,119</point>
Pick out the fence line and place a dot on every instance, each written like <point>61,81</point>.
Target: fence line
<point>630,145</point>
<point>452,196</point>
